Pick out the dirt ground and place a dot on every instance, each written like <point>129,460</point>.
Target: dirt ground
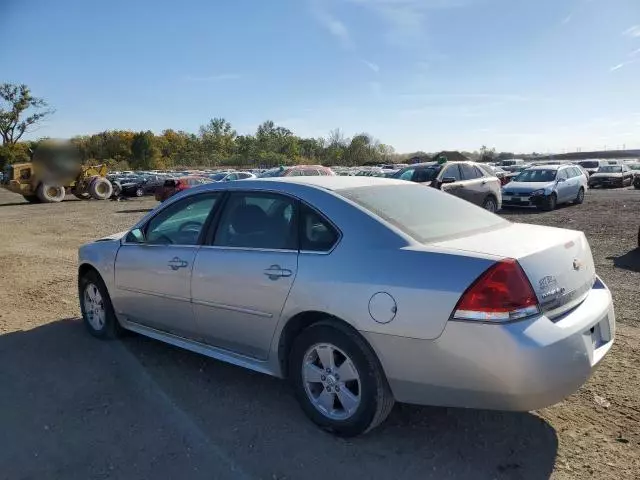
<point>74,407</point>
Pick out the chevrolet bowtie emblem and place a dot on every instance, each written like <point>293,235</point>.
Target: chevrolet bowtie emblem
<point>577,264</point>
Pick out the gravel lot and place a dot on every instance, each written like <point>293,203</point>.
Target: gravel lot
<point>73,407</point>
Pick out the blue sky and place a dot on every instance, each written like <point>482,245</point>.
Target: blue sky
<point>518,75</point>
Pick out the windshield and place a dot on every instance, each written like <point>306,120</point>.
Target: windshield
<point>635,166</point>
<point>543,176</point>
<point>589,164</point>
<point>441,215</point>
<point>610,169</point>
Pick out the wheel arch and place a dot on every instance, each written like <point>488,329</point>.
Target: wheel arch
<point>303,320</point>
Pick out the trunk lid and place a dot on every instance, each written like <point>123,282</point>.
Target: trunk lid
<point>558,262</point>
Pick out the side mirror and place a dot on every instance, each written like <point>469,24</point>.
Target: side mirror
<point>448,180</point>
<point>560,180</point>
<point>135,236</point>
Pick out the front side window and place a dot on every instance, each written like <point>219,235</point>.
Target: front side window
<point>469,172</point>
<point>452,171</point>
<point>180,223</point>
<point>258,220</point>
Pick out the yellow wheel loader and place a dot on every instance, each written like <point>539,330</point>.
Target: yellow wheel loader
<point>55,169</point>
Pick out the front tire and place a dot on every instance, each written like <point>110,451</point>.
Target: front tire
<point>338,380</point>
<point>580,198</point>
<point>97,311</point>
<point>549,203</point>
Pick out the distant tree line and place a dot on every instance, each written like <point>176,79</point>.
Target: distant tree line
<point>216,143</point>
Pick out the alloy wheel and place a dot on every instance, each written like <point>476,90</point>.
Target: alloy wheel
<point>94,306</point>
<point>331,381</point>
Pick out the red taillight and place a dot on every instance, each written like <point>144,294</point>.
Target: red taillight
<point>180,185</point>
<point>500,294</point>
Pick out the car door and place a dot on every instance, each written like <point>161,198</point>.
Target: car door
<point>564,187</point>
<point>456,188</point>
<point>243,275</point>
<point>476,188</point>
<point>153,268</point>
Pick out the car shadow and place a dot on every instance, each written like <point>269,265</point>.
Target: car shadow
<point>136,210</point>
<point>628,261</point>
<point>137,408</point>
<point>515,210</point>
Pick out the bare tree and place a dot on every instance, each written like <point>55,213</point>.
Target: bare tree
<point>15,101</point>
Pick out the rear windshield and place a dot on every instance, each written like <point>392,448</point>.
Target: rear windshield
<point>589,164</point>
<point>426,214</point>
<point>169,183</point>
<point>610,169</point>
<point>536,176</point>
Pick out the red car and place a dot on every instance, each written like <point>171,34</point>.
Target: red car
<point>175,185</point>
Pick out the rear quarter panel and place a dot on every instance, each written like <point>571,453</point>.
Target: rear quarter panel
<point>426,285</point>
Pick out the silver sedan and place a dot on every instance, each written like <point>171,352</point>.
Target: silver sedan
<point>360,291</point>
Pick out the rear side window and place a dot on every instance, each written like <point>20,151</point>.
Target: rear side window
<point>169,183</point>
<point>440,216</point>
<point>316,233</point>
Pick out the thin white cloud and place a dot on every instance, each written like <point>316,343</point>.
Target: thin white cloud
<point>373,66</point>
<point>407,19</point>
<point>214,78</point>
<point>632,31</point>
<point>634,53</point>
<point>621,65</point>
<point>567,19</point>
<point>333,25</point>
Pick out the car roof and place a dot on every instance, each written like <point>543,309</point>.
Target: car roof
<point>548,167</point>
<point>331,182</point>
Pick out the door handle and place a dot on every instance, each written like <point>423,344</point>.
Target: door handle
<point>175,263</point>
<point>274,272</point>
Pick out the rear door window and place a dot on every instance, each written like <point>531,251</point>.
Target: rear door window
<point>258,220</point>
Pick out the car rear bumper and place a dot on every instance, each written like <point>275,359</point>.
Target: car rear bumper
<point>520,366</point>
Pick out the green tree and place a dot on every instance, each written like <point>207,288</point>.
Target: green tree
<point>218,138</point>
<point>145,154</point>
<point>15,102</point>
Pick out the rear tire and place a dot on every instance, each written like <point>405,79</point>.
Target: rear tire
<point>97,311</point>
<point>369,397</point>
<point>100,188</point>
<point>490,204</point>
<point>139,192</point>
<point>549,203</point>
<point>580,198</point>
<point>50,193</point>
